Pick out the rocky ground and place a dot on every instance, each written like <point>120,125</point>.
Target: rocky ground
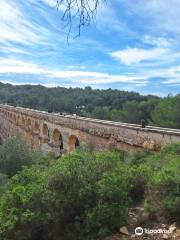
<point>175,235</point>
<point>147,230</point>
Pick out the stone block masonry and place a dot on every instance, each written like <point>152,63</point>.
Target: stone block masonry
<point>62,134</point>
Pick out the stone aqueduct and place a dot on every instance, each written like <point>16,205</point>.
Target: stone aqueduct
<point>62,134</point>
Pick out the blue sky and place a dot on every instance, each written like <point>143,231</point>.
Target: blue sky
<point>134,45</point>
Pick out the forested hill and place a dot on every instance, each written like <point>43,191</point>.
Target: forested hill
<point>65,99</point>
<point>108,104</point>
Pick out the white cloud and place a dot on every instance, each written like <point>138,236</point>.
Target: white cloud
<point>169,75</point>
<point>86,77</point>
<point>81,77</point>
<point>175,81</point>
<point>15,26</point>
<point>15,66</point>
<point>10,49</point>
<point>136,55</point>
<point>157,41</point>
<point>51,3</point>
<point>172,76</point>
<point>159,16</point>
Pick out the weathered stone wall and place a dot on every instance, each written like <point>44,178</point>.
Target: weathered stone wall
<point>61,134</point>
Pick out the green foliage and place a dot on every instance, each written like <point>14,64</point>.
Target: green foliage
<point>14,154</point>
<point>138,157</point>
<point>156,177</point>
<point>17,205</point>
<point>165,187</point>
<point>83,196</point>
<point>86,195</point>
<point>167,113</point>
<point>3,182</point>
<point>173,149</point>
<point>139,176</point>
<point>107,104</point>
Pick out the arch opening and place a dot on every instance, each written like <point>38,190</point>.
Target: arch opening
<point>18,119</point>
<point>57,139</point>
<point>36,126</point>
<point>73,143</point>
<point>23,121</point>
<point>14,118</point>
<point>29,123</point>
<point>77,143</point>
<point>45,133</point>
<point>29,138</point>
<point>36,136</point>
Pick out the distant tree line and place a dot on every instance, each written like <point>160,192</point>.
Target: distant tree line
<point>107,104</point>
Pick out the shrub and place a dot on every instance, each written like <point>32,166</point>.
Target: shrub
<point>86,195</point>
<point>21,207</point>
<point>81,196</point>
<point>138,180</point>
<point>137,158</point>
<point>3,182</point>
<point>164,188</point>
<point>14,154</point>
<point>173,149</point>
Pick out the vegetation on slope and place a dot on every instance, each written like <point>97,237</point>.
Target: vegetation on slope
<point>86,195</point>
<point>14,154</point>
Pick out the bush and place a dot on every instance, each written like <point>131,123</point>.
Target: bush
<point>17,216</point>
<point>83,196</point>
<point>3,182</point>
<point>166,112</point>
<point>14,154</point>
<point>164,190</point>
<point>138,180</point>
<point>86,195</point>
<point>171,149</point>
<point>137,158</point>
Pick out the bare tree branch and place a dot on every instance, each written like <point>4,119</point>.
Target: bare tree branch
<point>82,11</point>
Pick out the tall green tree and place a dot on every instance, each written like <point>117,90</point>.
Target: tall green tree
<point>167,112</point>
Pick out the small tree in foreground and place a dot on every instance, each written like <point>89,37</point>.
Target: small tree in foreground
<point>14,154</point>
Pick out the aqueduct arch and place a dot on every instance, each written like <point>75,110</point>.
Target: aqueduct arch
<point>36,126</point>
<point>57,138</point>
<point>14,118</point>
<point>18,119</point>
<point>73,143</point>
<point>29,123</point>
<point>55,132</point>
<point>23,121</point>
<point>45,132</point>
<point>29,138</point>
<point>36,136</point>
<point>57,142</point>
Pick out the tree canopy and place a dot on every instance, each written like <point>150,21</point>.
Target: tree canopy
<point>109,104</point>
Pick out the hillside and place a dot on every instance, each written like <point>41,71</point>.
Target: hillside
<point>107,104</point>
